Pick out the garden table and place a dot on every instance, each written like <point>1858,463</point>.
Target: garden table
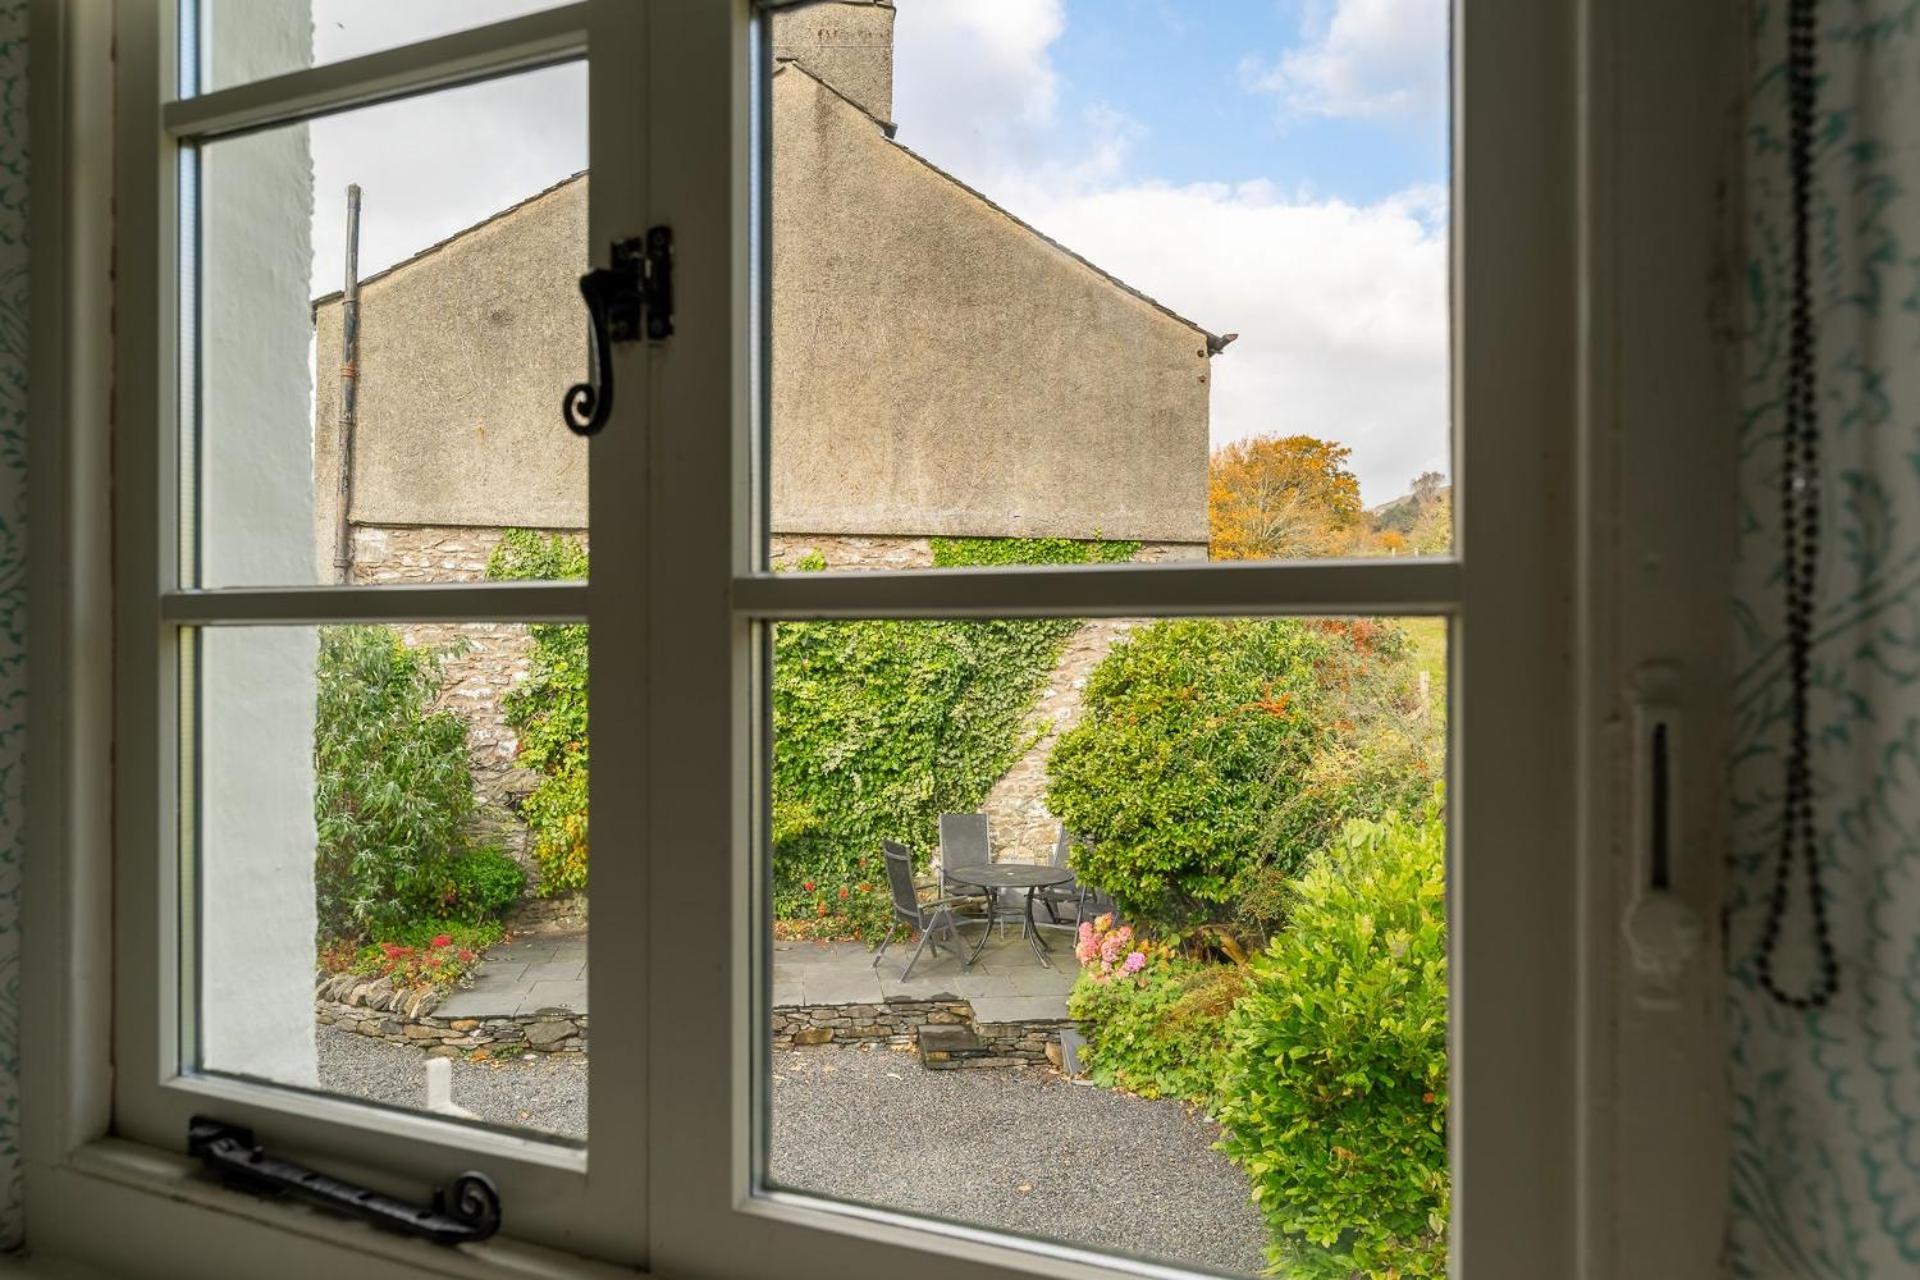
<point>1012,875</point>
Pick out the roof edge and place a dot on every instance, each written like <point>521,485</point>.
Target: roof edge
<point>445,241</point>
<point>1216,343</point>
<point>780,64</point>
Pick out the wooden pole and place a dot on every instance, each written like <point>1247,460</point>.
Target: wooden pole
<point>349,389</point>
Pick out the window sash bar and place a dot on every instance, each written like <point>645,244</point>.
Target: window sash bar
<point>1396,588</point>
<point>517,44</point>
<point>447,602</point>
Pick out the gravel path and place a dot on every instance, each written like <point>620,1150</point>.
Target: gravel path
<point>1014,1149</point>
<point>1017,1149</point>
<point>548,1093</point>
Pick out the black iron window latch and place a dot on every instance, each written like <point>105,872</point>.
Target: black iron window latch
<point>466,1210</point>
<point>630,299</point>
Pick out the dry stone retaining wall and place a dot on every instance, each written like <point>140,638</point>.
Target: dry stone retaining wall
<point>376,1008</point>
<point>900,1021</point>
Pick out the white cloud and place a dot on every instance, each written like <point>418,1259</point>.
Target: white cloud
<point>1364,59</point>
<point>1341,309</point>
<point>431,166</point>
<point>979,91</point>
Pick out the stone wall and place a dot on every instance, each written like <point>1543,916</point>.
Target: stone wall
<point>485,662</point>
<point>374,1007</point>
<point>899,1022</point>
<point>493,658</point>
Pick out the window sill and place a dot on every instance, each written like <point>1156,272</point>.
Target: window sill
<point>167,1220</point>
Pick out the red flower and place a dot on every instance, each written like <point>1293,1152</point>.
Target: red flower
<point>393,949</point>
<point>466,956</point>
<point>442,940</point>
<point>808,886</point>
<point>843,891</point>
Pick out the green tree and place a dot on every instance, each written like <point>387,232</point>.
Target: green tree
<point>393,797</point>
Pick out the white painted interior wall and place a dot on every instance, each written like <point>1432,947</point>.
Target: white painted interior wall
<point>256,505</point>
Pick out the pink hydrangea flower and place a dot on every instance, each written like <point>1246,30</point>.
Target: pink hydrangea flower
<point>1135,962</point>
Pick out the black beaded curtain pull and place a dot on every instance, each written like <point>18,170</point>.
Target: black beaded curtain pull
<point>1800,528</point>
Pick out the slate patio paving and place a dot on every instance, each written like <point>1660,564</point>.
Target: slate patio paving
<point>1007,984</point>
<point>525,975</point>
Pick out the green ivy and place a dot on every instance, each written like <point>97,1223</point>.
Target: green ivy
<point>1334,1096</point>
<point>392,794</point>
<point>950,553</point>
<point>881,726</point>
<point>549,712</point>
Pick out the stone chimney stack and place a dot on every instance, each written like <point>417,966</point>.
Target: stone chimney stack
<point>847,43</point>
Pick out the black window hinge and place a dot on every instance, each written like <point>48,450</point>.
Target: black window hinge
<point>628,300</point>
<point>465,1210</point>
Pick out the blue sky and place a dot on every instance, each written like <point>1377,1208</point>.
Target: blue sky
<point>1181,70</point>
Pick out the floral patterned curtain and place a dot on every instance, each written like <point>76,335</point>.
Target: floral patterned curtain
<point>1826,1102</point>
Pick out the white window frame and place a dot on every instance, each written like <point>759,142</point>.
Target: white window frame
<point>1547,179</point>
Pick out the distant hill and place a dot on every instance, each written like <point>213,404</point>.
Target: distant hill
<point>1401,515</point>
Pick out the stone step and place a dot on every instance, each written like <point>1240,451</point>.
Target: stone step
<point>942,1048</point>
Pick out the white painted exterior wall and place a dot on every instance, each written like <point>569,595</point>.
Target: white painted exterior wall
<point>256,485</point>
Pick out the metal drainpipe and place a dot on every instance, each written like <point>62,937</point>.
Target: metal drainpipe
<point>349,389</point>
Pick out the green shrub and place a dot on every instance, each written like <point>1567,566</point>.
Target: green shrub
<point>1334,1097</point>
<point>392,794</point>
<point>1214,755</point>
<point>549,712</point>
<point>486,883</point>
<point>1160,1033</point>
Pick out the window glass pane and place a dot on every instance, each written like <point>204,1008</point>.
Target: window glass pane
<point>468,329</point>
<point>242,40</point>
<point>1174,276</point>
<point>385,851</point>
<point>1126,933</point>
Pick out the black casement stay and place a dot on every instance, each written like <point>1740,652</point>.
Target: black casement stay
<point>466,1210</point>
<point>628,300</point>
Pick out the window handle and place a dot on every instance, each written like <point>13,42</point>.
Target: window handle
<point>633,295</point>
<point>467,1210</point>
<point>1663,931</point>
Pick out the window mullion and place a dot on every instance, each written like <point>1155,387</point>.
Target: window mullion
<point>449,602</point>
<point>1399,588</point>
<point>518,44</point>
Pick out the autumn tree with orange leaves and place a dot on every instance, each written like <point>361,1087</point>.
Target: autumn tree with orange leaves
<point>1283,497</point>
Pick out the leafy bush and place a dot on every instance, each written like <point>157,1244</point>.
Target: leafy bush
<point>881,726</point>
<point>1334,1097</point>
<point>1214,755</point>
<point>428,952</point>
<point>392,795</point>
<point>549,712</point>
<point>949,553</point>
<point>485,883</point>
<point>1155,1026</point>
